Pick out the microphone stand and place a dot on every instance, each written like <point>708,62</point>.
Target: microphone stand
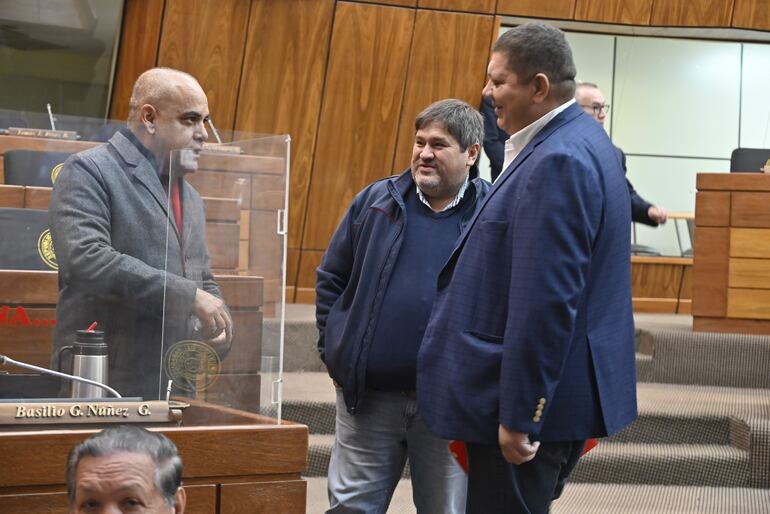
<point>7,360</point>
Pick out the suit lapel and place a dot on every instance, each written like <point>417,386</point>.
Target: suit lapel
<point>144,172</point>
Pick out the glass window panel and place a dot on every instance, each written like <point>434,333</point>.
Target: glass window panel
<point>755,102</point>
<point>676,97</point>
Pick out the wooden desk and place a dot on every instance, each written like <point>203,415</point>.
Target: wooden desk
<point>234,462</point>
<point>731,273</point>
<point>661,284</point>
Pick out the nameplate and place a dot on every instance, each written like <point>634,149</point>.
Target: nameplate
<point>46,133</point>
<point>73,412</point>
<point>217,148</point>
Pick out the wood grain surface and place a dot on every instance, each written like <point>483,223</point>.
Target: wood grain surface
<point>752,14</point>
<point>459,71</point>
<point>692,13</point>
<point>468,6</point>
<point>359,117</point>
<point>281,89</point>
<point>138,50</point>
<point>559,9</point>
<point>206,39</point>
<point>627,12</point>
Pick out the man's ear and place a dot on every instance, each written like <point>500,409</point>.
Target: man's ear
<point>473,154</point>
<point>541,86</point>
<point>147,115</point>
<point>181,500</point>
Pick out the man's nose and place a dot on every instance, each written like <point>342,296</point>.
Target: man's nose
<point>487,91</point>
<point>426,153</point>
<point>200,132</point>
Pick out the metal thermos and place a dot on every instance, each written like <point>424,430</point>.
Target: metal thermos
<point>89,360</point>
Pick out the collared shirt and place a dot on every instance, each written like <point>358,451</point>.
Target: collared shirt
<point>520,139</point>
<point>451,204</point>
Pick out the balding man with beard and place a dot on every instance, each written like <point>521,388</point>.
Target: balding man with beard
<point>130,239</point>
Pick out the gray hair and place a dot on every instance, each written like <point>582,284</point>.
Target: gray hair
<point>153,87</point>
<point>462,121</point>
<point>537,47</point>
<point>131,439</point>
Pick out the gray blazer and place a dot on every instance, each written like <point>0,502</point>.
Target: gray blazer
<point>109,223</point>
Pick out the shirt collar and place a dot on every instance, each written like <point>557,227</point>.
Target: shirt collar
<point>451,204</point>
<point>520,139</point>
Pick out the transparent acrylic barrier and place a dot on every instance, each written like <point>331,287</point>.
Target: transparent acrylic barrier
<point>233,246</point>
<point>81,245</point>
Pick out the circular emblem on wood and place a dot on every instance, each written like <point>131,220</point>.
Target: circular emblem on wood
<point>45,249</point>
<point>55,172</point>
<point>192,365</point>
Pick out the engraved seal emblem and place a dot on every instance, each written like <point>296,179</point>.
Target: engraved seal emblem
<point>45,249</point>
<point>55,172</point>
<point>192,365</point>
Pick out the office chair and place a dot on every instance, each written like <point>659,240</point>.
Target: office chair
<point>33,168</point>
<point>749,159</point>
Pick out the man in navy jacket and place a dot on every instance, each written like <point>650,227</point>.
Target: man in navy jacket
<point>374,293</point>
<point>529,350</point>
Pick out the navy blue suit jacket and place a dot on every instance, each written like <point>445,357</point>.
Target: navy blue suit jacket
<point>532,323</point>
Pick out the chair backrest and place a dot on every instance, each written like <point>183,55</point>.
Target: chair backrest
<point>26,243</point>
<point>749,159</point>
<point>32,168</point>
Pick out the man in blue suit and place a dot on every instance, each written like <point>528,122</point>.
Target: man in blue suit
<point>529,350</point>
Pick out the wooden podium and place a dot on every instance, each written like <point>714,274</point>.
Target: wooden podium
<point>731,272</point>
<point>234,462</point>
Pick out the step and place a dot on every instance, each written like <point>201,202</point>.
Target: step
<point>668,413</point>
<point>664,464</point>
<point>681,356</point>
<point>602,499</point>
<point>652,499</point>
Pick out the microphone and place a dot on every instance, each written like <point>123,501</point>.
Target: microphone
<point>4,359</point>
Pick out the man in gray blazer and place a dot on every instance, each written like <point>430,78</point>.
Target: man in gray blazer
<point>125,262</point>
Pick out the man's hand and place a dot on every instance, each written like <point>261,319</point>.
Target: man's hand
<point>657,214</point>
<point>215,319</point>
<point>515,446</point>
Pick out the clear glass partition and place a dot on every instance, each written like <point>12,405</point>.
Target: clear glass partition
<point>240,190</point>
<point>103,246</point>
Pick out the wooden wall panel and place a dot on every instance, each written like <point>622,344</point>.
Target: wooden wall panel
<point>401,3</point>
<point>750,210</point>
<point>560,9</point>
<point>629,12</point>
<point>692,13</point>
<point>712,208</point>
<point>283,75</point>
<point>752,14</point>
<point>359,117</point>
<point>749,273</point>
<point>748,303</point>
<point>468,6</point>
<point>138,50</point>
<point>750,242</point>
<point>308,262</point>
<point>459,71</point>
<point>206,38</point>
<point>709,290</point>
<point>263,497</point>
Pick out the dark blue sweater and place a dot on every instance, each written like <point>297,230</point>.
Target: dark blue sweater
<point>428,242</point>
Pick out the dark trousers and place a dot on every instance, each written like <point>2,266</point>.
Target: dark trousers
<point>497,486</point>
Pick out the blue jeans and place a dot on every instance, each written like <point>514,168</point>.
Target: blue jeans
<point>369,453</point>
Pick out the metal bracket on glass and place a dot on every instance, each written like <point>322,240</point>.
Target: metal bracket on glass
<point>281,222</point>
<point>277,391</point>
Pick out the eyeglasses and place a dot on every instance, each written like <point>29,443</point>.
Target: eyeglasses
<point>597,108</point>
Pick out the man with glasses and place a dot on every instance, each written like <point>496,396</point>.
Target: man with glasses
<point>591,99</point>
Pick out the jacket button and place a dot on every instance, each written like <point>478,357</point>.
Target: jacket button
<point>536,418</point>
